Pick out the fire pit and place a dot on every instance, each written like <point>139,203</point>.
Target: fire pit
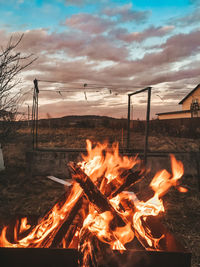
<point>49,257</point>
<point>100,221</point>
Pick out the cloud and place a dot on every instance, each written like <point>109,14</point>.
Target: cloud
<point>182,45</point>
<point>188,20</point>
<point>79,56</point>
<point>176,48</point>
<point>69,44</point>
<point>89,23</point>
<point>101,48</point>
<point>153,78</point>
<point>82,2</point>
<point>152,31</point>
<point>195,2</point>
<point>125,13</point>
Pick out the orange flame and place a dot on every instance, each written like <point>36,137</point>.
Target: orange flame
<point>38,234</point>
<point>161,183</point>
<point>102,160</point>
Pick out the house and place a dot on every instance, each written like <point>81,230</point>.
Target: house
<point>190,107</point>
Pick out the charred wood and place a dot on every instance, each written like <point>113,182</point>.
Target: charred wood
<point>93,251</point>
<point>129,178</point>
<point>101,203</point>
<point>56,235</point>
<point>63,229</point>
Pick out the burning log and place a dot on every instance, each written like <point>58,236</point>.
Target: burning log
<point>92,250</point>
<point>102,204</point>
<point>71,239</point>
<point>56,235</point>
<point>94,195</point>
<point>129,178</point>
<point>63,229</point>
<point>73,221</point>
<point>124,181</point>
<point>87,249</point>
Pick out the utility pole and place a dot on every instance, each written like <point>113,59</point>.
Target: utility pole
<point>28,114</point>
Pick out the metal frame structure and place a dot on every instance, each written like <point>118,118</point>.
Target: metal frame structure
<point>148,89</point>
<point>35,115</point>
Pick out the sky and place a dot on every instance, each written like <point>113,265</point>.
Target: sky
<point>91,54</point>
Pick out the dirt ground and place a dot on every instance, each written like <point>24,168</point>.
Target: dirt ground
<point>24,195</point>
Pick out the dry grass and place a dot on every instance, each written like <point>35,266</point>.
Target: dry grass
<point>76,137</point>
<point>182,217</point>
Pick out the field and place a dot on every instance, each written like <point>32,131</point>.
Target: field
<point>24,195</point>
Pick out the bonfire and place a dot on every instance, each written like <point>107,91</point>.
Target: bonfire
<point>100,212</point>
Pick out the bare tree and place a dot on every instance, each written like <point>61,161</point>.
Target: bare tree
<point>11,64</point>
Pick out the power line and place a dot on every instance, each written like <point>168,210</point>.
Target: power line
<point>93,84</point>
<point>62,90</point>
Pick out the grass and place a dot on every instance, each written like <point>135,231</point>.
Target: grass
<point>182,217</point>
<point>76,137</point>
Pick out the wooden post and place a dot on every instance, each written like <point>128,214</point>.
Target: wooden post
<point>197,157</point>
<point>36,121</point>
<point>28,121</point>
<point>2,167</point>
<point>147,125</point>
<point>33,119</point>
<point>122,138</point>
<point>128,122</point>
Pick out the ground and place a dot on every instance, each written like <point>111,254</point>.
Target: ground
<point>24,195</point>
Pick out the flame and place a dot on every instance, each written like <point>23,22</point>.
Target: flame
<point>163,180</point>
<point>182,189</point>
<point>161,183</point>
<point>150,208</point>
<point>24,225</point>
<point>102,160</point>
<point>38,234</point>
<point>99,224</point>
<point>105,166</point>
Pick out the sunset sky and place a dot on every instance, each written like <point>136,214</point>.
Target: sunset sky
<point>115,47</point>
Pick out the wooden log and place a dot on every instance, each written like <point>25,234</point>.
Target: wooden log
<point>63,228</point>
<point>101,203</point>
<point>73,221</point>
<point>129,178</point>
<point>55,236</point>
<point>59,203</point>
<point>86,249</point>
<point>103,185</point>
<point>123,181</point>
<point>92,250</point>
<point>67,241</point>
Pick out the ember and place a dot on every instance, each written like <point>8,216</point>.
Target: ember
<point>101,213</point>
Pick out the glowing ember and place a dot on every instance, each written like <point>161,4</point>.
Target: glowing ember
<point>115,217</point>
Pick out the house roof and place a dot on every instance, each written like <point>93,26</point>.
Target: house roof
<point>174,112</point>
<point>190,93</point>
